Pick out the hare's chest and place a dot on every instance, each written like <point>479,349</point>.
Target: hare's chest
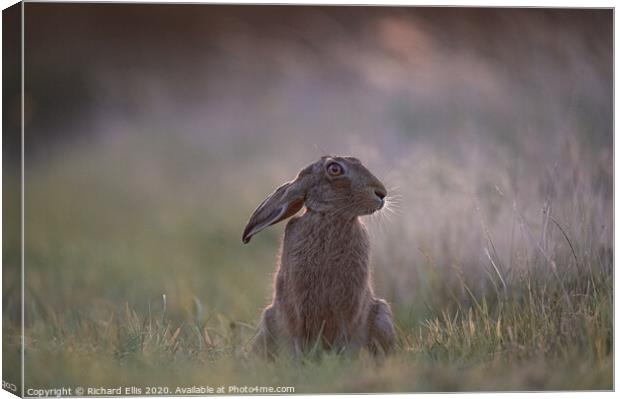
<point>325,257</point>
<point>330,272</point>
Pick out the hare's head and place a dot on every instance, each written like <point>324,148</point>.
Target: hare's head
<point>340,186</point>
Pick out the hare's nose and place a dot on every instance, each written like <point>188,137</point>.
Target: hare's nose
<point>381,193</point>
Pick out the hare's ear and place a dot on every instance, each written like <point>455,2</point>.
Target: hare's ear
<point>286,201</point>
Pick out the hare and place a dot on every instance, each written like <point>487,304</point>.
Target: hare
<point>323,293</point>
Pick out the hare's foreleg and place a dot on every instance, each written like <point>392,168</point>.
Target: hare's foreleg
<point>381,335</point>
<point>265,343</point>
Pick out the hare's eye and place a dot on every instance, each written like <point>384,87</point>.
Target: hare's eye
<point>334,169</point>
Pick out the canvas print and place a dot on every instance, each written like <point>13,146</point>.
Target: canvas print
<point>207,199</point>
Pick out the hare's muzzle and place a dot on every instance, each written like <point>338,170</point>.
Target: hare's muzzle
<point>380,194</point>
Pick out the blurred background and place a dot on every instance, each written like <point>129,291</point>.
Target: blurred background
<point>153,131</point>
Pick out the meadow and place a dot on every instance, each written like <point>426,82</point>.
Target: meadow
<point>497,256</point>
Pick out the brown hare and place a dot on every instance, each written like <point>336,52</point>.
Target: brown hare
<point>323,292</point>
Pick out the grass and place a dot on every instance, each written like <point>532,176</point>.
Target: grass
<point>531,337</point>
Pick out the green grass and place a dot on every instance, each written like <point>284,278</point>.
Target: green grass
<point>532,338</point>
<point>108,237</point>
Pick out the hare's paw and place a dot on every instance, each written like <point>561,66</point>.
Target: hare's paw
<point>381,335</point>
<point>265,344</point>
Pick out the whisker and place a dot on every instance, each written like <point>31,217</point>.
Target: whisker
<point>394,210</point>
<point>391,212</point>
<point>393,205</point>
<point>387,216</point>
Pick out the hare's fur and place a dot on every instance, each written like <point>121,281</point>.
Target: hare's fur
<point>323,294</point>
